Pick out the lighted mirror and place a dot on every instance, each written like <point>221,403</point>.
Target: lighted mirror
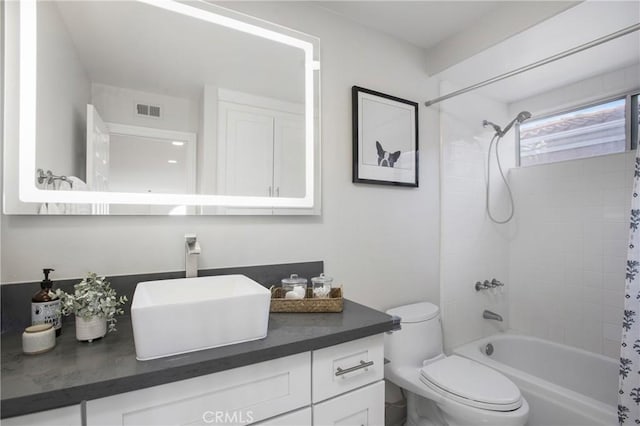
<point>157,107</point>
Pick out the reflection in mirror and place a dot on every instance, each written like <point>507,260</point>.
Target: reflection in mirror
<point>139,99</point>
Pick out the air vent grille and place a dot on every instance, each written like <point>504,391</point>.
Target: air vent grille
<point>154,111</point>
<point>147,110</point>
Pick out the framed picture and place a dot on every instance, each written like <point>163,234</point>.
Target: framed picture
<point>385,139</point>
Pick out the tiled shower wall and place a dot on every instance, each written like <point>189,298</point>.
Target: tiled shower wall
<point>472,247</point>
<point>568,251</point>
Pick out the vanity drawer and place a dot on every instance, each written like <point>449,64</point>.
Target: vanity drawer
<point>297,418</point>
<point>239,396</point>
<point>362,407</point>
<point>341,368</point>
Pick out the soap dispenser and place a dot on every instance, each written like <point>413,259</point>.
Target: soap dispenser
<point>45,306</point>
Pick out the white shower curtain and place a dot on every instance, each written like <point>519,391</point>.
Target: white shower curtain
<point>629,393</point>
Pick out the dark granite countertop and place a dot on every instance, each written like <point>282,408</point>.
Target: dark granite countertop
<point>74,371</point>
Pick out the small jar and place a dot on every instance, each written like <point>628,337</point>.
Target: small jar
<point>322,286</point>
<point>39,338</point>
<point>294,287</point>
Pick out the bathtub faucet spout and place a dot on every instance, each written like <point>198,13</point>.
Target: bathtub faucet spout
<point>491,315</point>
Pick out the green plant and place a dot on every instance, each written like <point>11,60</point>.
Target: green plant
<point>93,296</point>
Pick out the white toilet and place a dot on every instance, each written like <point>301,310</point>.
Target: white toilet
<point>446,390</point>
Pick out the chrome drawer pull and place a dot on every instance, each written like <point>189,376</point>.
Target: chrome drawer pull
<point>363,364</point>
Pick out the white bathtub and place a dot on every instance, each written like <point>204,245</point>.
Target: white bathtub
<point>563,385</point>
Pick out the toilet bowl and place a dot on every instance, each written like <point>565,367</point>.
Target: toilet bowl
<point>446,390</point>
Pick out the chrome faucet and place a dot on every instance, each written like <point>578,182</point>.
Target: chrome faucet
<point>491,315</point>
<point>192,250</point>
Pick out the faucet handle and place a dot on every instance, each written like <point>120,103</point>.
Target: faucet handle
<point>190,238</point>
<point>496,283</point>
<point>481,286</point>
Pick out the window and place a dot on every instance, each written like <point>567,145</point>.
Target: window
<point>597,129</point>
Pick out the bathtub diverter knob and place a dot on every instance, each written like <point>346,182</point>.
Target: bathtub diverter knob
<point>488,349</point>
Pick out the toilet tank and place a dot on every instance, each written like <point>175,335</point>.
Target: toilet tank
<point>419,338</point>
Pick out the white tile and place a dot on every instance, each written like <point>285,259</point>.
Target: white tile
<point>616,197</point>
<point>616,231</point>
<point>574,333</point>
<point>573,312</point>
<point>611,348</point>
<point>593,231</point>
<point>612,331</point>
<point>593,281</point>
<point>629,161</point>
<point>614,249</point>
<point>592,198</point>
<point>592,337</point>
<point>614,213</point>
<point>574,275</point>
<point>614,299</point>
<point>610,163</point>
<point>557,334</point>
<point>613,179</point>
<point>592,313</point>
<point>612,315</point>
<point>614,280</point>
<point>615,264</point>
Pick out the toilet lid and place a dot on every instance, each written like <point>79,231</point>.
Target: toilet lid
<point>471,383</point>
<point>416,312</point>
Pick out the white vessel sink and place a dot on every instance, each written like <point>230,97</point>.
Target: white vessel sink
<point>171,317</point>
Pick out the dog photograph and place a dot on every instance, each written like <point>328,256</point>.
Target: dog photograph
<point>385,139</point>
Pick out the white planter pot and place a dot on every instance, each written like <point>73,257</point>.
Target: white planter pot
<point>88,330</point>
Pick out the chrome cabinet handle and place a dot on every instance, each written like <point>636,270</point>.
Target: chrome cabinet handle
<point>277,191</point>
<point>270,191</point>
<point>363,364</point>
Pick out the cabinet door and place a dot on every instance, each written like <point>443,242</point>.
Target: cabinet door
<point>347,366</point>
<point>239,396</point>
<point>67,416</point>
<point>362,407</point>
<point>297,418</point>
<point>289,166</point>
<point>247,146</point>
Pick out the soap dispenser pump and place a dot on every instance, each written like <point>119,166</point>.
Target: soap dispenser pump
<point>45,306</point>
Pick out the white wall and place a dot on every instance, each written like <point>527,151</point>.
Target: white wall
<point>380,242</point>
<point>60,131</point>
<point>117,105</point>
<point>472,247</point>
<point>568,254</point>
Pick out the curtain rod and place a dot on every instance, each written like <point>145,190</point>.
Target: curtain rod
<point>589,45</point>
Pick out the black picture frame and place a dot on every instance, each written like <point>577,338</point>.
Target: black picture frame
<point>385,139</point>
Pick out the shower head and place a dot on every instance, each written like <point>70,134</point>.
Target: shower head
<point>522,116</point>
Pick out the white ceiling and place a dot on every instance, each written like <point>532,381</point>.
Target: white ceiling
<point>449,31</point>
<point>468,41</point>
<point>422,23</point>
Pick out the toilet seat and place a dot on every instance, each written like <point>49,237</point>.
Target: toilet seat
<point>471,383</point>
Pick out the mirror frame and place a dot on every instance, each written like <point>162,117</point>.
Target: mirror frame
<point>30,193</point>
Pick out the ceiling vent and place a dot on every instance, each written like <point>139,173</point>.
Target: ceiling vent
<point>146,110</point>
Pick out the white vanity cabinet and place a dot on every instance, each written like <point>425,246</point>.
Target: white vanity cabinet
<point>68,416</point>
<point>241,395</point>
<point>337,385</point>
<point>297,418</point>
<point>348,385</point>
<point>361,407</point>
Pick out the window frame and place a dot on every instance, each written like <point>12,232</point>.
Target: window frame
<point>631,98</point>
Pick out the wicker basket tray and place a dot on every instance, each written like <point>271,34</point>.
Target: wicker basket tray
<point>308,304</point>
